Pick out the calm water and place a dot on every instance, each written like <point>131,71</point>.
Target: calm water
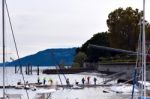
<point>86,93</point>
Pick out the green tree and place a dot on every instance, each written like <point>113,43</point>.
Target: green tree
<point>148,31</point>
<point>79,59</point>
<point>123,33</point>
<point>101,39</point>
<point>123,27</point>
<point>97,39</point>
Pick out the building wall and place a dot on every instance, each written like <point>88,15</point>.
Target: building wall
<point>116,68</point>
<point>128,68</point>
<point>90,65</point>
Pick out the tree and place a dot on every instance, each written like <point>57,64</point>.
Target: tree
<point>147,31</point>
<point>79,58</point>
<point>97,39</point>
<point>123,33</point>
<point>123,27</point>
<point>93,55</point>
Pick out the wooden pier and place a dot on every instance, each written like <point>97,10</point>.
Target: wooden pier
<point>31,85</point>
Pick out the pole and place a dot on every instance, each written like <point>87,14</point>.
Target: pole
<point>31,69</point>
<point>134,82</point>
<point>38,70</point>
<point>144,49</point>
<point>15,69</point>
<point>3,39</point>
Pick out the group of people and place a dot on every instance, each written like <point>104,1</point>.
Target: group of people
<point>88,80</point>
<point>44,81</point>
<point>83,80</point>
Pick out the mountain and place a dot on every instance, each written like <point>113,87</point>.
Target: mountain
<point>48,57</point>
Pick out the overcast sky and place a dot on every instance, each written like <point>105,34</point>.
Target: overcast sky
<point>43,24</point>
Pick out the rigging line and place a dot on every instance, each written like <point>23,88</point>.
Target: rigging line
<point>140,58</point>
<point>58,64</point>
<point>16,46</point>
<point>49,96</point>
<point>57,71</point>
<point>56,67</point>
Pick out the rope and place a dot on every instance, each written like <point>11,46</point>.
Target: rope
<point>54,59</point>
<point>15,46</point>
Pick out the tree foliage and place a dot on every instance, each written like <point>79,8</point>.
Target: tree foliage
<point>79,58</point>
<point>97,39</point>
<point>124,28</point>
<point>101,39</point>
<point>123,33</point>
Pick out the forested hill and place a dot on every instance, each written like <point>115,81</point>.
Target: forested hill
<point>49,57</point>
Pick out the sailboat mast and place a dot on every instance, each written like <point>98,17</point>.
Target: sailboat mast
<point>144,49</point>
<point>3,45</point>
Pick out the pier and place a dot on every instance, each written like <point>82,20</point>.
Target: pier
<point>31,85</point>
<point>66,71</point>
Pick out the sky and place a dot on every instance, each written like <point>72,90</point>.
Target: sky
<point>44,24</point>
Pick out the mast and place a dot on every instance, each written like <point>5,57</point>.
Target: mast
<point>3,45</point>
<point>144,49</point>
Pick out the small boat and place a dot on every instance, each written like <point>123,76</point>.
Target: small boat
<point>44,93</point>
<point>77,87</point>
<point>33,88</point>
<point>18,87</point>
<point>105,91</point>
<point>14,96</point>
<point>126,88</point>
<point>147,84</point>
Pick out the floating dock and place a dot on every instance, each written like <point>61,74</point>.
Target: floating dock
<point>32,85</point>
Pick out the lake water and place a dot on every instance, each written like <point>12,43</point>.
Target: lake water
<point>86,93</point>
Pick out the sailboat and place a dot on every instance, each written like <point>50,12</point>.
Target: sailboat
<point>140,68</point>
<point>18,95</point>
<point>143,93</point>
<point>5,96</point>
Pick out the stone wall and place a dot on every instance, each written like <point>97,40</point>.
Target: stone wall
<point>121,67</point>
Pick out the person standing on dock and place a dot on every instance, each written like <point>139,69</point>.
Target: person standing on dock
<point>19,82</point>
<point>88,80</point>
<point>50,81</point>
<point>67,81</point>
<point>44,81</point>
<point>83,80</point>
<point>95,80</point>
<point>38,80</point>
<point>76,82</point>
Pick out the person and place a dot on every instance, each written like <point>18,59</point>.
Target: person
<point>44,80</point>
<point>83,80</point>
<point>27,85</point>
<point>67,81</point>
<point>38,80</point>
<point>76,82</point>
<point>27,82</point>
<point>50,81</point>
<point>88,80</point>
<point>95,80</point>
<point>19,82</point>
